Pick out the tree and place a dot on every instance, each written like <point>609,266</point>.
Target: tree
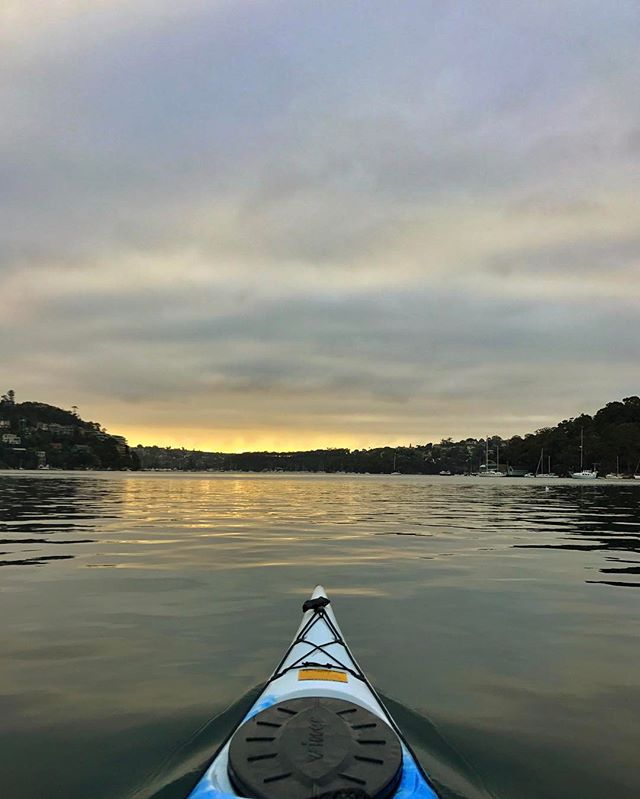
<point>9,398</point>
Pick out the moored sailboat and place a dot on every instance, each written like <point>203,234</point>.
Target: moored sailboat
<point>487,472</point>
<point>583,474</point>
<point>617,475</point>
<point>540,472</point>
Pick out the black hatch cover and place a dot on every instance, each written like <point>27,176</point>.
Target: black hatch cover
<point>309,747</point>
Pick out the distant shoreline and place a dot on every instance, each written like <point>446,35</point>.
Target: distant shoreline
<point>36,435</point>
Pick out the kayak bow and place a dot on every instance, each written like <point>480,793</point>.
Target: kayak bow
<point>318,730</point>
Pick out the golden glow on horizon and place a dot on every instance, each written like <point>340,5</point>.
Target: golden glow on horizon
<point>282,440</point>
<point>258,440</point>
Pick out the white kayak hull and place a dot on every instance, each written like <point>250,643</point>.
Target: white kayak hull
<point>317,664</point>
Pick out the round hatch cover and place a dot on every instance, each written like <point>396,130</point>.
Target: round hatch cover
<point>308,747</point>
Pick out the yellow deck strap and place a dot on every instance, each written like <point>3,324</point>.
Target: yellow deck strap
<point>323,674</point>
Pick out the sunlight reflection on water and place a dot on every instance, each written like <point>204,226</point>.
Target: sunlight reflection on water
<point>136,606</point>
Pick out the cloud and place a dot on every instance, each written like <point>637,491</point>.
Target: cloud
<point>307,223</point>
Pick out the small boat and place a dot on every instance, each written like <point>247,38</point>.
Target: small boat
<point>583,474</point>
<point>318,729</point>
<point>444,473</point>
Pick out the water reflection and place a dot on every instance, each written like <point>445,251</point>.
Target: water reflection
<point>600,519</point>
<point>159,599</point>
<point>240,521</point>
<point>37,560</point>
<point>32,510</point>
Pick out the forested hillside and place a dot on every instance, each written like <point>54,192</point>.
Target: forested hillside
<point>612,433</point>
<point>37,435</point>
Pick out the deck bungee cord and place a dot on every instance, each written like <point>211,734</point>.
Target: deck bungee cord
<point>318,606</point>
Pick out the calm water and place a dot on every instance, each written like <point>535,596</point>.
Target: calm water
<point>499,619</point>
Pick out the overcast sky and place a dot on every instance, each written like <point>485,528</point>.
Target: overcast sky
<point>248,224</point>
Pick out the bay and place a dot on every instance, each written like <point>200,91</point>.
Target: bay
<point>139,612</point>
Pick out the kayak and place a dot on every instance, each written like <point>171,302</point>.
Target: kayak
<point>318,730</point>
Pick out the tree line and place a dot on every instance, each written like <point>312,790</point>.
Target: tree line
<point>611,440</point>
<point>611,437</point>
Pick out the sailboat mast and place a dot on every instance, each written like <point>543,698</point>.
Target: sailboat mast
<point>540,464</point>
<point>581,448</point>
<point>497,457</point>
